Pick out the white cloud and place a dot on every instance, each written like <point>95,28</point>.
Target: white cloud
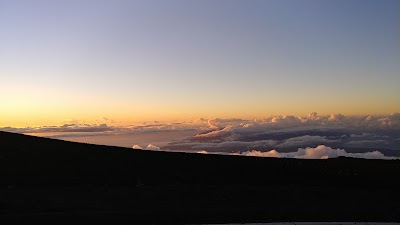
<point>369,155</point>
<point>319,152</point>
<point>272,153</point>
<point>202,152</point>
<point>137,147</point>
<point>149,147</point>
<point>336,117</point>
<point>152,147</point>
<point>288,120</point>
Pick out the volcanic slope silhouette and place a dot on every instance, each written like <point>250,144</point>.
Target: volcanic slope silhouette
<point>52,181</point>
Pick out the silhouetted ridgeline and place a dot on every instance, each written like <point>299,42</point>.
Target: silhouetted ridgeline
<point>188,188</point>
<point>28,160</point>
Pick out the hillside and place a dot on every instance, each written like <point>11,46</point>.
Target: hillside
<point>54,181</point>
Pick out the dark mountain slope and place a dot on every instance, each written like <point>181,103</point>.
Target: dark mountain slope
<point>64,182</point>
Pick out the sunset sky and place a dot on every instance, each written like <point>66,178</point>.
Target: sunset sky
<point>121,61</point>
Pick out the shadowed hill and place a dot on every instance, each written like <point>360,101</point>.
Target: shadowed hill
<point>29,160</point>
<point>169,187</point>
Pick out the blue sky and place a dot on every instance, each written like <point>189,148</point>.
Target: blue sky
<point>137,60</point>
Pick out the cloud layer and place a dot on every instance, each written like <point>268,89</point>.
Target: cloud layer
<point>288,133</point>
<point>284,134</point>
<point>149,147</point>
<point>319,152</point>
<point>73,128</point>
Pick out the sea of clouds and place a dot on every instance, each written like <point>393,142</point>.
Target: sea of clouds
<point>311,136</point>
<point>319,152</point>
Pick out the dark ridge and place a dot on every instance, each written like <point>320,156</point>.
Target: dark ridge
<point>59,182</point>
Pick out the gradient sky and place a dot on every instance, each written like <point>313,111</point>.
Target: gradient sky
<point>78,60</point>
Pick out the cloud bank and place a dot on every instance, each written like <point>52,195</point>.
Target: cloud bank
<point>72,128</point>
<point>149,147</point>
<point>288,133</point>
<point>319,152</point>
<point>284,134</point>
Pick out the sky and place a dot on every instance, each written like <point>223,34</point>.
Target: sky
<point>271,78</point>
<point>131,61</point>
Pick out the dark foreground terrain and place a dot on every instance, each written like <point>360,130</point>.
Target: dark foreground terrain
<point>57,182</point>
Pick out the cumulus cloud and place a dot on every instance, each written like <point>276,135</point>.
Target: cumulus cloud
<point>137,147</point>
<point>149,147</point>
<point>288,120</point>
<point>370,155</point>
<point>152,147</point>
<point>272,153</point>
<point>202,152</point>
<point>319,152</point>
<point>325,152</point>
